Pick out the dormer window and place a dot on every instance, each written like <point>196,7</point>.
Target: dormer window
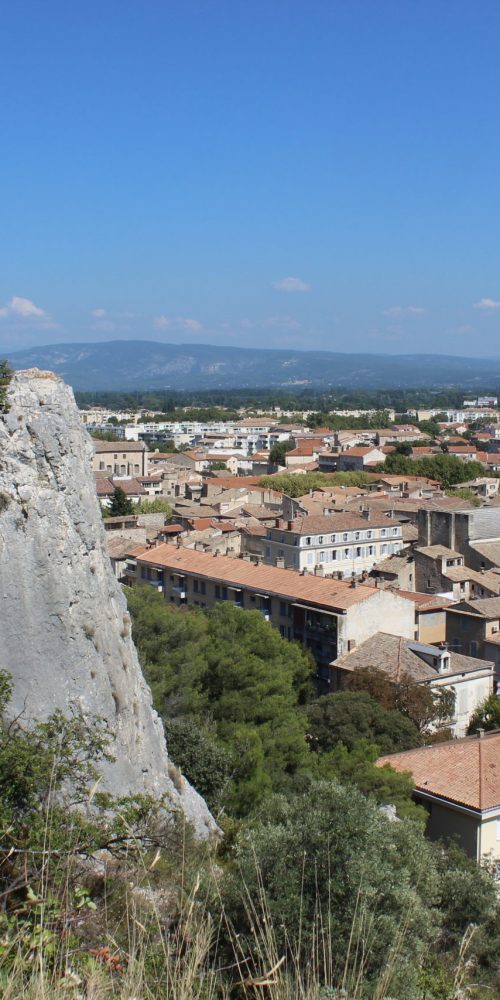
<point>345,536</point>
<point>308,540</point>
<point>320,539</point>
<point>357,535</point>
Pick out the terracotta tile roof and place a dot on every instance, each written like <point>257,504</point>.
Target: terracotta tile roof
<point>484,607</point>
<point>116,446</point>
<point>465,771</point>
<point>438,551</point>
<point>359,452</point>
<point>343,521</point>
<point>397,657</point>
<point>104,487</point>
<point>426,602</point>
<point>131,487</point>
<point>336,595</point>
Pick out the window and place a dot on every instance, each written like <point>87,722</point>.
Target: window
<point>356,535</point>
<point>369,534</point>
<point>346,553</point>
<point>383,550</point>
<point>395,531</point>
<point>345,536</point>
<point>203,587</point>
<point>308,541</point>
<point>195,586</point>
<point>333,555</point>
<point>320,539</point>
<point>383,532</point>
<point>370,550</point>
<point>359,552</point>
<point>217,591</point>
<point>224,593</point>
<point>332,539</point>
<point>268,551</point>
<point>322,556</point>
<point>473,648</point>
<point>283,609</point>
<point>309,558</point>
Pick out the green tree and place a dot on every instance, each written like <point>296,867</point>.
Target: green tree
<point>420,703</point>
<point>487,715</point>
<point>205,764</point>
<point>105,436</point>
<point>357,767</point>
<point>326,870</point>
<point>155,506</point>
<point>349,716</point>
<point>278,452</point>
<point>232,667</point>
<point>120,503</point>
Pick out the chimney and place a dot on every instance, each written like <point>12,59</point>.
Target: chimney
<point>480,733</point>
<point>354,582</point>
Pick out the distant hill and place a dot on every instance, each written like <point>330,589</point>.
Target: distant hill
<point>133,364</point>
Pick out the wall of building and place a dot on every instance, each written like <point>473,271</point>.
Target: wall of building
<point>448,823</point>
<point>489,844</point>
<point>431,626</point>
<point>384,610</point>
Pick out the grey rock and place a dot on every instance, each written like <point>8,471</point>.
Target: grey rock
<point>64,627</point>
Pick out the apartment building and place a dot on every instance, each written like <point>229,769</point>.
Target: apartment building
<point>343,544</point>
<point>327,616</point>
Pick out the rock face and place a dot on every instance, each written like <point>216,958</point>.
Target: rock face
<point>64,627</point>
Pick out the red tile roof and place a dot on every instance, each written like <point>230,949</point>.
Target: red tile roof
<point>465,771</point>
<point>337,595</point>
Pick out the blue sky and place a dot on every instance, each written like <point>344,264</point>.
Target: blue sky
<point>286,173</point>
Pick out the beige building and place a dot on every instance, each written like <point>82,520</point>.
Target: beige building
<point>459,785</point>
<point>327,616</point>
<point>399,659</point>
<point>120,458</point>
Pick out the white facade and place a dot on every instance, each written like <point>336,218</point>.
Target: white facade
<point>344,552</point>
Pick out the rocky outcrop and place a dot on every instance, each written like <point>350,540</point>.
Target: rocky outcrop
<point>64,627</point>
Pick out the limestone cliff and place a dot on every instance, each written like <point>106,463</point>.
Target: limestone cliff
<point>64,627</point>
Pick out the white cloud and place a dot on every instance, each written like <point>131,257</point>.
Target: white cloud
<point>177,323</point>
<point>98,313</point>
<point>397,311</point>
<point>24,308</point>
<point>291,285</point>
<point>487,304</point>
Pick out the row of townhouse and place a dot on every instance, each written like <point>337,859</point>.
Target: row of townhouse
<point>328,616</point>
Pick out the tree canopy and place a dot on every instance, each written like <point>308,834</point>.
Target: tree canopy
<point>232,667</point>
<point>348,716</point>
<point>120,503</point>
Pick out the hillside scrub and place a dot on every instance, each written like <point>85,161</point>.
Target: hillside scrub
<point>317,894</point>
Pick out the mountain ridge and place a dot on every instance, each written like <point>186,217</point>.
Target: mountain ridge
<point>143,365</point>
